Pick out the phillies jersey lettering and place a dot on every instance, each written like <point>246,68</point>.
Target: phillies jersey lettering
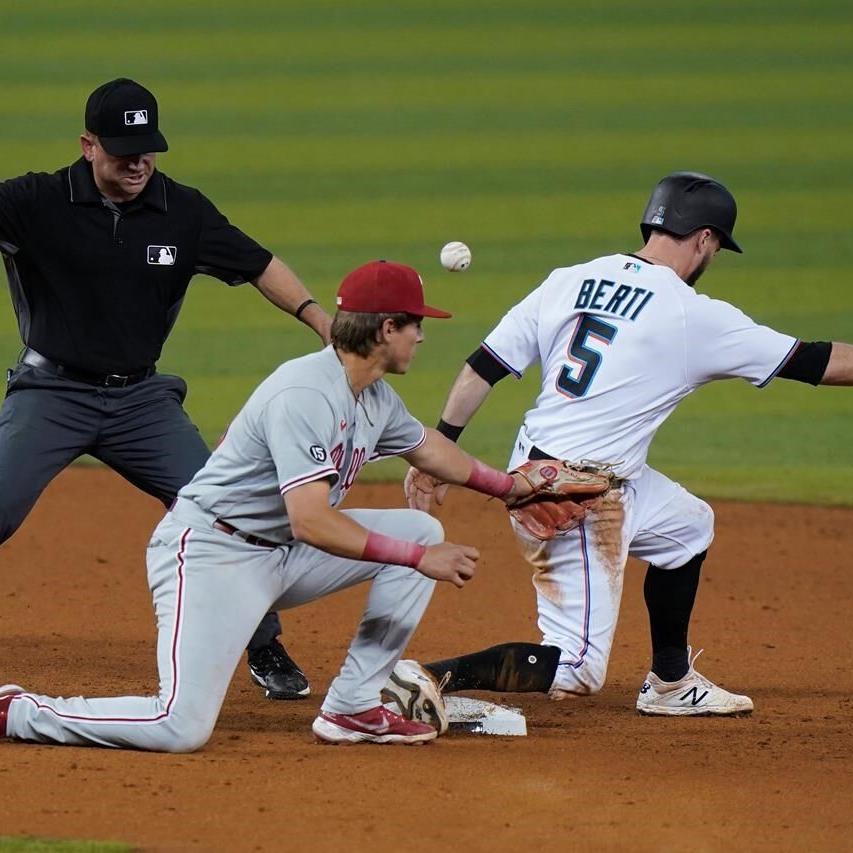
<point>302,424</point>
<point>617,358</point>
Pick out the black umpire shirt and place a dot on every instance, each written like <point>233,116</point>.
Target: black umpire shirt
<point>97,286</point>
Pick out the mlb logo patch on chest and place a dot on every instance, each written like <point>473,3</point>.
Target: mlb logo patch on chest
<point>163,256</point>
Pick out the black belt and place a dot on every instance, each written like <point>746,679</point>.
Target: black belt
<point>105,380</point>
<point>536,453</point>
<point>248,538</point>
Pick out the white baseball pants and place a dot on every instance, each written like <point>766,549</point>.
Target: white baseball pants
<point>578,576</point>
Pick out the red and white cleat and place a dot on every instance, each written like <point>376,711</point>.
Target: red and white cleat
<point>377,725</point>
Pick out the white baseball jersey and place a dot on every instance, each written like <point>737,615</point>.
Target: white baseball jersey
<point>621,341</point>
<point>301,424</point>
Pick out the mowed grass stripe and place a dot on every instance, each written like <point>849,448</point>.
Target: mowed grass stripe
<point>408,121</point>
<point>648,152</point>
<point>391,43</point>
<point>614,86</point>
<point>47,845</point>
<point>54,20</point>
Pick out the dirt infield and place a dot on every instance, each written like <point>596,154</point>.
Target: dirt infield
<point>773,613</point>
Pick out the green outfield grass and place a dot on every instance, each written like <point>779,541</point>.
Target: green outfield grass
<point>45,845</point>
<point>338,132</point>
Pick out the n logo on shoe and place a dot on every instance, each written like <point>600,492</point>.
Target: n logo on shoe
<point>696,699</point>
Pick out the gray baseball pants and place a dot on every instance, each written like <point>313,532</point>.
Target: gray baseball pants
<point>209,591</point>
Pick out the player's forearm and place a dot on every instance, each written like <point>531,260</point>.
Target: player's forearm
<point>335,533</point>
<point>441,458</point>
<point>329,530</point>
<point>839,370</point>
<point>466,396</point>
<point>281,286</point>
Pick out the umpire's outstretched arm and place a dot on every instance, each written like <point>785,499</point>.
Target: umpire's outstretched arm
<point>282,287</point>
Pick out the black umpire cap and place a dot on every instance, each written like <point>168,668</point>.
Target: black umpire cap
<point>683,202</point>
<point>123,115</point>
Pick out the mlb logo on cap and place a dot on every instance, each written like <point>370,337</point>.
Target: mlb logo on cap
<point>136,117</point>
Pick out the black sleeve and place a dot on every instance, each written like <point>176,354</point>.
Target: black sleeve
<point>16,200</point>
<point>808,363</point>
<point>224,251</point>
<point>486,366</point>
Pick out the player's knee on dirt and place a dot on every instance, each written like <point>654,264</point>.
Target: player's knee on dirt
<point>583,680</point>
<point>182,734</point>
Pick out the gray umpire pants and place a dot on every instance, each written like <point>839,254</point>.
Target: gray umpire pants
<point>141,431</point>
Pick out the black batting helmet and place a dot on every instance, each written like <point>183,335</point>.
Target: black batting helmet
<point>685,201</point>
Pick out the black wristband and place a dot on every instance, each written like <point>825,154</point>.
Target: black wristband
<point>303,306</point>
<point>449,431</point>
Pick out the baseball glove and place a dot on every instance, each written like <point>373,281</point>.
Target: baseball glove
<point>562,495</point>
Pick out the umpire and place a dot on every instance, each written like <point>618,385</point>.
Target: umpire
<point>99,256</point>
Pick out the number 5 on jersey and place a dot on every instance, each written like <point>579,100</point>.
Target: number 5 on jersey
<point>575,377</point>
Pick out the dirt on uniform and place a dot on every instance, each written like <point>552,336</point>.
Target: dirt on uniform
<point>773,613</point>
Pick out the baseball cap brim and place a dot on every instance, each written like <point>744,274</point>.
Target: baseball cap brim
<point>124,146</point>
<point>728,242</point>
<point>429,311</point>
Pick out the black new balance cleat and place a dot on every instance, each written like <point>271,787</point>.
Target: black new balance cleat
<point>272,668</point>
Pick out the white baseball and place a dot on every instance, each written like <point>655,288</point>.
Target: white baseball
<point>455,256</point>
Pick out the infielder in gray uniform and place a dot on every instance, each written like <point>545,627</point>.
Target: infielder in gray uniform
<point>257,529</point>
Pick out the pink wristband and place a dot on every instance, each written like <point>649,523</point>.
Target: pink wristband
<point>488,481</point>
<point>396,552</point>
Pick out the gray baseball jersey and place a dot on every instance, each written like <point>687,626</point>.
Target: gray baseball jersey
<point>302,424</point>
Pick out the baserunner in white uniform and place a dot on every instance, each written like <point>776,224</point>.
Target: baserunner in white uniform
<point>257,529</point>
<point>621,340</point>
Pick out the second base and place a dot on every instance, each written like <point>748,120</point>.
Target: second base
<point>484,718</point>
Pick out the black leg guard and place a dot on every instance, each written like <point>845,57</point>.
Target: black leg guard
<point>508,668</point>
<point>669,595</point>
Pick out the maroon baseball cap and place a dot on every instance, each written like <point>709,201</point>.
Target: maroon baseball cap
<point>125,119</point>
<point>383,287</point>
